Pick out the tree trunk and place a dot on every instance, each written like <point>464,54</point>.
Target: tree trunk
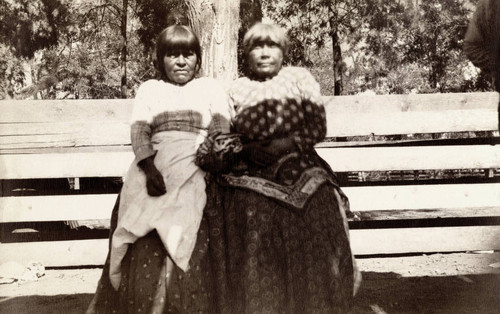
<point>336,53</point>
<point>216,22</point>
<point>337,64</point>
<point>124,49</point>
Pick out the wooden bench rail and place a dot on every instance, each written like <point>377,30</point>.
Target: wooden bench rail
<point>84,123</point>
<point>471,200</point>
<point>363,242</point>
<point>115,164</point>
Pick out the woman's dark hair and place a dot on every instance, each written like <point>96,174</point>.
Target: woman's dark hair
<point>176,38</point>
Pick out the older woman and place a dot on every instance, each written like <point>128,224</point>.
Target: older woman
<point>157,261</point>
<point>278,231</point>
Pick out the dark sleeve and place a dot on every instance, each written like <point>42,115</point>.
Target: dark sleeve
<point>219,152</point>
<point>476,40</point>
<point>314,127</point>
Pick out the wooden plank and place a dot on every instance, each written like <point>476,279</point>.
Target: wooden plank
<point>454,200</point>
<point>95,132</point>
<point>411,102</point>
<point>56,207</point>
<point>436,213</point>
<point>411,158</point>
<point>363,124</point>
<point>363,242</point>
<point>462,138</point>
<point>407,114</point>
<point>67,150</point>
<point>56,253</point>
<point>25,111</point>
<point>69,134</point>
<point>425,240</point>
<point>15,111</point>
<point>97,164</point>
<point>431,196</point>
<point>55,123</point>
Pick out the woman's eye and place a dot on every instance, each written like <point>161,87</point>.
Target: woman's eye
<point>185,54</point>
<point>262,44</point>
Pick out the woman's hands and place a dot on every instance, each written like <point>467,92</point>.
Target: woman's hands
<point>154,179</point>
<point>266,153</point>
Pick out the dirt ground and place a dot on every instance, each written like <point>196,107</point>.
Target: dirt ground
<point>438,283</point>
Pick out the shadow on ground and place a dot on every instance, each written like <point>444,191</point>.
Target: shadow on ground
<point>391,293</point>
<point>379,293</point>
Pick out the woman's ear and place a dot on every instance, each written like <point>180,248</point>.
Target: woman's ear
<point>198,64</point>
<point>197,70</point>
<point>156,65</point>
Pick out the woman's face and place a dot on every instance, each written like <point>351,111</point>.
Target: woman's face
<point>265,59</point>
<point>180,66</point>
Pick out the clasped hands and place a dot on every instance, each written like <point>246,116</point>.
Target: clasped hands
<point>267,152</point>
<point>262,153</point>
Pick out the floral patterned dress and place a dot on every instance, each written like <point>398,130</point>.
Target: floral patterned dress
<point>279,239</point>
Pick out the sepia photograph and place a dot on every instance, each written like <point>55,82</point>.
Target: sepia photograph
<point>250,156</point>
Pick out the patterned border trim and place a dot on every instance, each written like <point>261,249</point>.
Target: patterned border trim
<point>296,195</point>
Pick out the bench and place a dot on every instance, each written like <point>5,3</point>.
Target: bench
<point>421,171</point>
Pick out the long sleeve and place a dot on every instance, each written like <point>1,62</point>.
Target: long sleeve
<point>477,42</point>
<point>140,127</point>
<point>217,153</point>
<point>220,110</point>
<point>140,135</point>
<point>314,128</point>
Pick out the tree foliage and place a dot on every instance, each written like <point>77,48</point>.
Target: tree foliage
<point>82,59</point>
<point>63,48</point>
<point>387,46</point>
<point>28,26</point>
<point>155,15</point>
<point>424,41</point>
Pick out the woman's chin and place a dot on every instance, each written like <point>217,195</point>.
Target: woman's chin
<point>181,79</point>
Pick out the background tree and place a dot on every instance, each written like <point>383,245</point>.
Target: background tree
<point>25,28</point>
<point>411,35</point>
<point>250,13</point>
<point>216,23</point>
<point>123,32</point>
<point>383,46</point>
<point>314,23</point>
<point>154,16</point>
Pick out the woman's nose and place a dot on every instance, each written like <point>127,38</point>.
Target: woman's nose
<point>181,60</point>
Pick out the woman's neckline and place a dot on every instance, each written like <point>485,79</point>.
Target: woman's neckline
<point>180,86</point>
<point>255,78</point>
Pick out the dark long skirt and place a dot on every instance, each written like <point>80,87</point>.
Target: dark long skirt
<point>269,258</point>
<point>151,283</point>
